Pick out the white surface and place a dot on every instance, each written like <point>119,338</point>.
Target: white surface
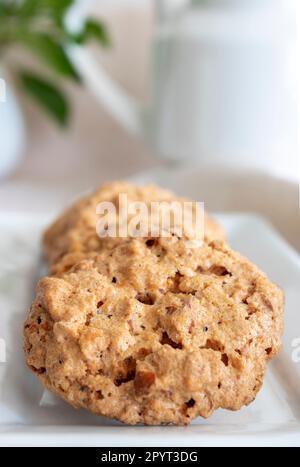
<point>273,419</point>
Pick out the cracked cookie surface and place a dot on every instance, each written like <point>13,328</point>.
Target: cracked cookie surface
<point>73,234</point>
<point>154,332</point>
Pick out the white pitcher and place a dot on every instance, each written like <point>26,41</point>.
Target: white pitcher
<point>224,85</point>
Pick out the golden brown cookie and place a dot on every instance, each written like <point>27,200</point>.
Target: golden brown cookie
<point>74,233</point>
<point>153,332</point>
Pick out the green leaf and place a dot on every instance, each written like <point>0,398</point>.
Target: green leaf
<point>93,29</point>
<point>48,96</point>
<point>7,8</point>
<point>53,8</point>
<point>58,6</point>
<point>51,52</point>
<point>57,9</point>
<point>28,8</point>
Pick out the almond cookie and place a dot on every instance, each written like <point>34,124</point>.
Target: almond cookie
<point>153,331</point>
<point>74,233</point>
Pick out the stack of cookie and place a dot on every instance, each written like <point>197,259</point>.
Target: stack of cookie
<point>148,329</point>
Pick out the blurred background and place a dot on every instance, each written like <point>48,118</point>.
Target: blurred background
<point>199,95</point>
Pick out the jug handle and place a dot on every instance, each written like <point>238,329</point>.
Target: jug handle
<point>123,107</point>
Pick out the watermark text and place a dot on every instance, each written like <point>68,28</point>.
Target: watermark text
<point>154,219</point>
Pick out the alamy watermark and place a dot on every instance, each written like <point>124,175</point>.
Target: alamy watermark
<point>155,219</point>
<point>296,351</point>
<point>2,351</point>
<point>2,90</point>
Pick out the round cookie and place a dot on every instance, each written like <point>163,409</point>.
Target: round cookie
<point>74,234</point>
<point>155,332</point>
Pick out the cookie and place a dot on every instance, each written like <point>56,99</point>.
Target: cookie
<point>154,332</point>
<point>74,234</point>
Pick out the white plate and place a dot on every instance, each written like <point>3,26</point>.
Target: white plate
<point>273,419</point>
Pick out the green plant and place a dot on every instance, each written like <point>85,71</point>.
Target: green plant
<point>39,26</point>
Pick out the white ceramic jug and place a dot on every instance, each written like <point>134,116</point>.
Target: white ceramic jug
<point>224,85</point>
